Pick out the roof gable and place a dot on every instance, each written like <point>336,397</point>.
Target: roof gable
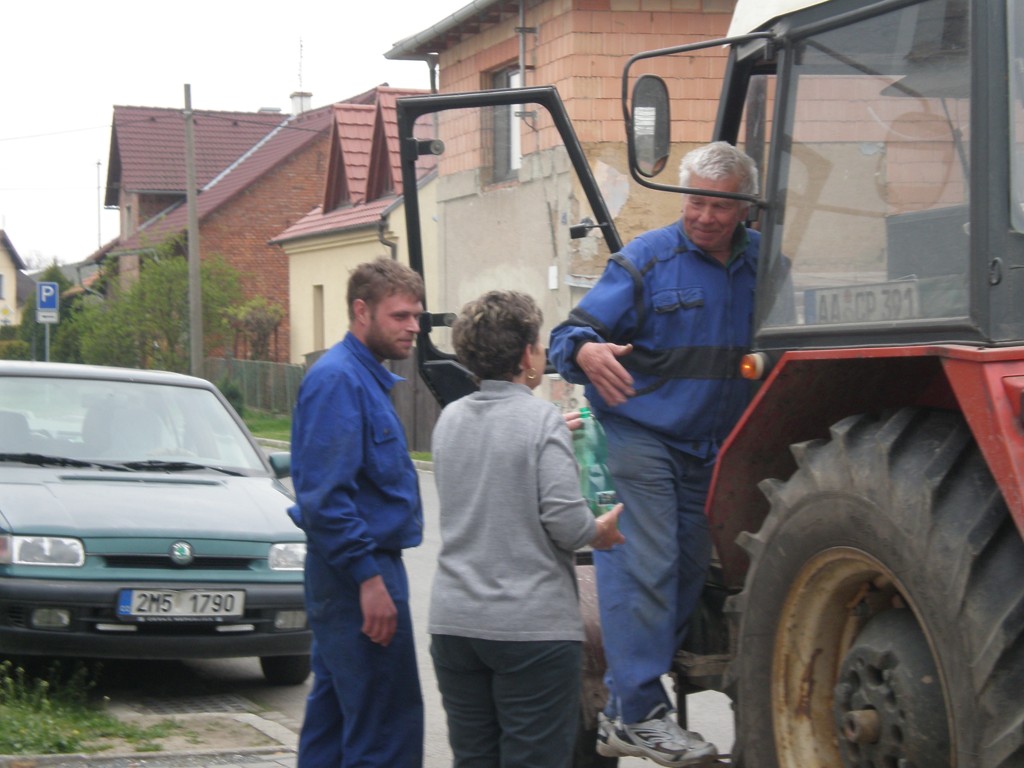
<point>275,148</point>
<point>347,170</point>
<point>381,180</point>
<point>8,247</point>
<point>147,146</point>
<point>391,162</point>
<point>365,165</point>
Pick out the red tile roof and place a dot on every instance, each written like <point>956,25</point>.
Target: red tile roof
<point>261,157</point>
<point>365,162</point>
<point>388,102</point>
<point>100,253</point>
<point>351,138</point>
<point>350,217</point>
<point>147,146</point>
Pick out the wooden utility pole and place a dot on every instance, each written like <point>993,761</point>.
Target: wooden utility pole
<point>195,287</point>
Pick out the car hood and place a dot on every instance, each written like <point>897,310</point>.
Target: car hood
<point>87,503</point>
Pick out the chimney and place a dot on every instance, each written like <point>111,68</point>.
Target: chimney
<point>301,102</point>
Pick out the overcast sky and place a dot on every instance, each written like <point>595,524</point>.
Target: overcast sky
<point>64,65</point>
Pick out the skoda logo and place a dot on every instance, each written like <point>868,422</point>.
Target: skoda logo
<point>182,553</point>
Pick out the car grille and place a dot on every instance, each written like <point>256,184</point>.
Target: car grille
<point>164,561</point>
<point>17,616</point>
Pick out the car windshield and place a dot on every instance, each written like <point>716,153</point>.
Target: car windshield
<point>114,422</point>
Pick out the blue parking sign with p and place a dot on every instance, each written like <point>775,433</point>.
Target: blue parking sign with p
<point>47,302</point>
<point>49,294</point>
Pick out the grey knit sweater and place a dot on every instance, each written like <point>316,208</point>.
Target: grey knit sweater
<point>511,517</point>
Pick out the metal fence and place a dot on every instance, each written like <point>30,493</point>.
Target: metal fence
<point>273,387</point>
<point>265,386</point>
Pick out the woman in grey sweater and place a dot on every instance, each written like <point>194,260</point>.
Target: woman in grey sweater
<point>504,618</point>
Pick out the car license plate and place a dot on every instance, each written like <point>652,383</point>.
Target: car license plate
<point>172,604</point>
<point>877,303</point>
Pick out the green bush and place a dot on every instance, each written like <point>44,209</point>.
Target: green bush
<point>233,393</point>
<point>15,350</point>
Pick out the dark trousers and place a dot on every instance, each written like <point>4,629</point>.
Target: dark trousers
<point>365,709</point>
<point>509,704</point>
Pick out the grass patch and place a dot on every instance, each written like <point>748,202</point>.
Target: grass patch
<point>52,713</point>
<point>271,426</point>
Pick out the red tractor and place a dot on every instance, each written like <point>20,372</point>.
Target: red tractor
<point>866,607</point>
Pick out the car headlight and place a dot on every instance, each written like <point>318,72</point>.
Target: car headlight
<point>41,550</point>
<point>287,557</point>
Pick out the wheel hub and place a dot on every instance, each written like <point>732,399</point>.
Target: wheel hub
<point>889,707</point>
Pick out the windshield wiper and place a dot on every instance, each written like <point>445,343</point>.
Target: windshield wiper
<point>56,461</point>
<point>177,466</point>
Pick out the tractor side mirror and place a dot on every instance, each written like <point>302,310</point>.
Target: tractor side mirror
<point>648,134</point>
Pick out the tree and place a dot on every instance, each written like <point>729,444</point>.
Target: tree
<point>256,320</point>
<point>146,325</point>
<point>63,336</point>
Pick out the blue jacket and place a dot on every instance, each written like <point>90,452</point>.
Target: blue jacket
<point>689,319</point>
<point>356,487</point>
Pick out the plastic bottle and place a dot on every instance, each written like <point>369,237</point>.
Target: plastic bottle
<point>591,448</point>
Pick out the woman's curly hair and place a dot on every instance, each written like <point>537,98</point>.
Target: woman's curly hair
<point>492,331</point>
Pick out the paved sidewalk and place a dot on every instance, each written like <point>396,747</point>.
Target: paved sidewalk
<point>261,758</point>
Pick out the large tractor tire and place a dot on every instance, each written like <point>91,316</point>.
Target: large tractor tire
<point>882,619</point>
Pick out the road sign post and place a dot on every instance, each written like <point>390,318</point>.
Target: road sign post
<point>47,308</point>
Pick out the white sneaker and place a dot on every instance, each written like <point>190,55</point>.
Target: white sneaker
<point>659,738</point>
<point>606,737</point>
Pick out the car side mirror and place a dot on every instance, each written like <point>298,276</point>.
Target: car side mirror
<point>281,463</point>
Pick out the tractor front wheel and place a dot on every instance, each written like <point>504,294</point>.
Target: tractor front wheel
<point>882,619</point>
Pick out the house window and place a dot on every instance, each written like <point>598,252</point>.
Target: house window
<point>1,286</point>
<point>506,150</point>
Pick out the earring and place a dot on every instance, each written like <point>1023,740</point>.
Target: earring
<point>531,375</point>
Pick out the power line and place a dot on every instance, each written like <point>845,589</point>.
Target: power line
<point>54,133</point>
<point>197,114</point>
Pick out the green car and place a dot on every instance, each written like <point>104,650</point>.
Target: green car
<point>140,520</point>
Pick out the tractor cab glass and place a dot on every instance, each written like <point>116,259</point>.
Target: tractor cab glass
<point>870,226</point>
<point>1015,29</point>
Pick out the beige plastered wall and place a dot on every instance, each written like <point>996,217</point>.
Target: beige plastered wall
<point>327,261</point>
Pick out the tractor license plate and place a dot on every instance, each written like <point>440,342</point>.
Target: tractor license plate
<point>878,303</point>
<point>172,604</point>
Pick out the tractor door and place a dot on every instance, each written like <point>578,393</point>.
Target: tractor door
<point>499,194</point>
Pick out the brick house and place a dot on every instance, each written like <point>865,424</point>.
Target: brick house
<point>579,46</point>
<point>146,168</point>
<point>358,218</point>
<point>505,196</point>
<point>257,172</point>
